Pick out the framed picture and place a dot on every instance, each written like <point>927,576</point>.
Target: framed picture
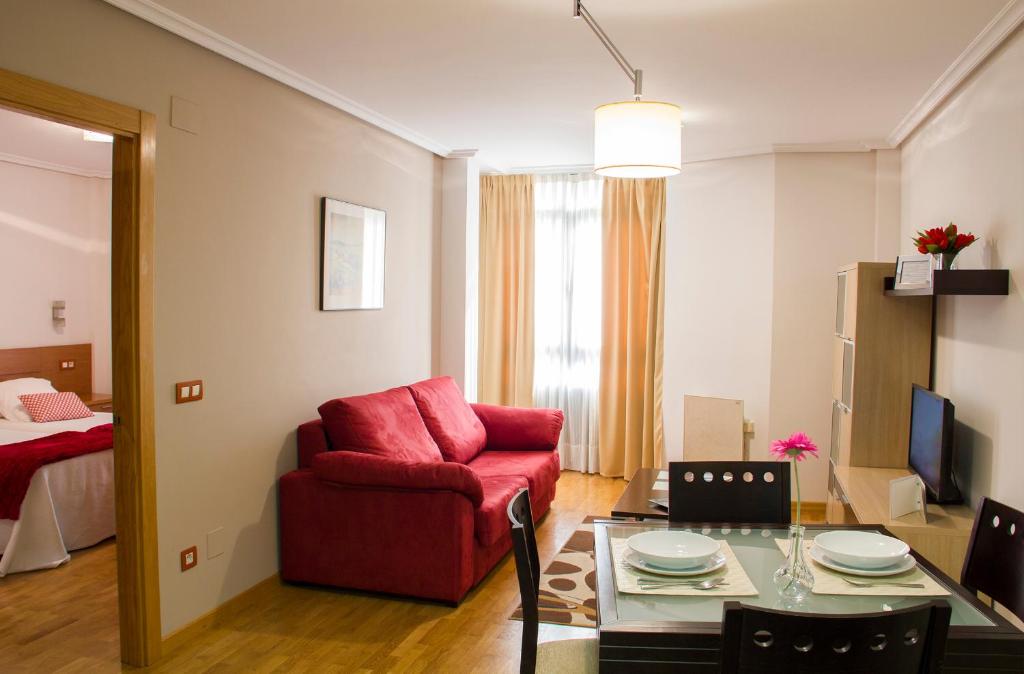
<point>351,256</point>
<point>913,271</point>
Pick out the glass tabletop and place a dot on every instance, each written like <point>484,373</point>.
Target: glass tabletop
<point>758,553</point>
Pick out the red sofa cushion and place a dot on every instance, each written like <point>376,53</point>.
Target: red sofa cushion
<point>386,424</point>
<point>541,469</point>
<point>520,428</point>
<point>451,421</point>
<point>357,468</point>
<point>490,520</point>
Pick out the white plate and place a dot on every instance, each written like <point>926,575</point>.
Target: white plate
<point>862,549</point>
<point>821,557</point>
<point>637,562</point>
<point>676,550</point>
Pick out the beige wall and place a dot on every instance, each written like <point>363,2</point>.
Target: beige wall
<point>237,256</point>
<point>718,290</point>
<point>966,164</point>
<point>55,245</point>
<point>824,218</point>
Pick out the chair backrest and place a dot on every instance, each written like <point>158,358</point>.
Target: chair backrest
<point>995,555</point>
<point>763,640</point>
<point>524,546</point>
<point>739,492</point>
<point>712,429</point>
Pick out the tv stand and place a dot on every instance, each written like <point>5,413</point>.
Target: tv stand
<point>860,495</point>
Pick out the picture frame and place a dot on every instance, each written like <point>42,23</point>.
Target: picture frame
<point>913,272</point>
<point>352,256</point>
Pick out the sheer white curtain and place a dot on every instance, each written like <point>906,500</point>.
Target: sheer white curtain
<point>567,309</point>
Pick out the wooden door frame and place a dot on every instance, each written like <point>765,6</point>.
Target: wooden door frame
<point>132,212</point>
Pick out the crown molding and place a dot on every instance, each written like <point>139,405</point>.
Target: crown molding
<point>839,146</point>
<point>150,11</point>
<point>462,154</point>
<point>988,40</point>
<point>50,166</point>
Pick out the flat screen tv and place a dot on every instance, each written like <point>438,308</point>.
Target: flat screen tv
<point>931,445</point>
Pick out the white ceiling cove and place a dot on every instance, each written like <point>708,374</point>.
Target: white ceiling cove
<point>57,147</point>
<point>518,79</point>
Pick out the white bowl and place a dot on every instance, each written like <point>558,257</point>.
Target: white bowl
<point>862,549</point>
<point>673,549</point>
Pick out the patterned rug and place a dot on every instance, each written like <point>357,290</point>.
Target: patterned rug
<point>568,593</point>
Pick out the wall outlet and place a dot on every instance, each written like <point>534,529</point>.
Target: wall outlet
<point>215,543</point>
<point>189,558</point>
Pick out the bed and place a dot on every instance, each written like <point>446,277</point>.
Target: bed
<point>69,504</point>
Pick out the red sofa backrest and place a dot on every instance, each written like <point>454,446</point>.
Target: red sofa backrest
<point>311,440</point>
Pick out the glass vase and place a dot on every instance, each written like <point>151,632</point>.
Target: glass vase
<point>794,579</point>
<point>944,261</point>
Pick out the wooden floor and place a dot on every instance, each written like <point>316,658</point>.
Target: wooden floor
<point>64,620</point>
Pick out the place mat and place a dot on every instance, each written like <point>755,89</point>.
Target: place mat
<point>626,577</point>
<point>827,581</point>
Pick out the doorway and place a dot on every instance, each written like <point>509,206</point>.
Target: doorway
<point>132,213</point>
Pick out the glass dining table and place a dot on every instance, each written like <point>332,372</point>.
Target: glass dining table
<point>658,633</point>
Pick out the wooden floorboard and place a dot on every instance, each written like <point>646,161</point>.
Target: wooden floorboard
<point>65,620</point>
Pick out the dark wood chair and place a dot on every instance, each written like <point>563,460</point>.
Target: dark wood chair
<point>995,555</point>
<point>739,492</point>
<point>564,655</point>
<point>907,641</point>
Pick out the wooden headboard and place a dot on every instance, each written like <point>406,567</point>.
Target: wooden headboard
<point>44,362</point>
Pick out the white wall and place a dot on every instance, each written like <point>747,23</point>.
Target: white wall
<point>55,245</point>
<point>966,164</point>
<point>718,290</point>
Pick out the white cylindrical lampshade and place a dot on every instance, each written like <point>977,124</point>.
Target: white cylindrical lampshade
<point>637,139</point>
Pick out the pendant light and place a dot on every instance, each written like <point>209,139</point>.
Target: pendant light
<point>637,138</point>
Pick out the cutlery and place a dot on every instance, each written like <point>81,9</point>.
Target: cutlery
<point>856,583</point>
<point>693,584</point>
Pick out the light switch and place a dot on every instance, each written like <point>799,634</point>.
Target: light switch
<point>188,391</point>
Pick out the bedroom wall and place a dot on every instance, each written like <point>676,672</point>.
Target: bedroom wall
<point>236,278</point>
<point>718,290</point>
<point>966,164</point>
<point>55,245</point>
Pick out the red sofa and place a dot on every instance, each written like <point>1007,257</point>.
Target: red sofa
<point>404,491</point>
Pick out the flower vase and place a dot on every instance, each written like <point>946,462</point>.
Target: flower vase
<point>794,579</point>
<point>944,261</point>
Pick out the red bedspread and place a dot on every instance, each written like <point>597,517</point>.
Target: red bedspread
<point>19,461</point>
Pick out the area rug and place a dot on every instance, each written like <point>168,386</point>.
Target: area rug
<point>567,586</point>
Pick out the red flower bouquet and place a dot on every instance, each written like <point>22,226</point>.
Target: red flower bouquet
<point>942,241</point>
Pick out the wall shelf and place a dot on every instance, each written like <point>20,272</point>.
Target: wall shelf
<point>958,282</point>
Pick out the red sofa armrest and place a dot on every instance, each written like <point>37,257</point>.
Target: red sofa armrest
<point>370,470</point>
<point>520,428</point>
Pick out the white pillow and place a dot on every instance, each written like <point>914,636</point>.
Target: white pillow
<point>10,407</point>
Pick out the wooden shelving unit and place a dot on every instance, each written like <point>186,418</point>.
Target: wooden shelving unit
<point>958,282</point>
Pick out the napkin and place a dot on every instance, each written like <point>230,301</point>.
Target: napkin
<point>737,583</point>
<point>827,581</point>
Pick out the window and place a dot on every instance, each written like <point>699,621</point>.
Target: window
<point>567,306</point>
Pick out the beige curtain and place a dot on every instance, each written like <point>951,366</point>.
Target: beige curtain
<point>506,290</point>
<point>632,345</point>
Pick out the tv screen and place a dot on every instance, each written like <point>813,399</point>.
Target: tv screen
<point>931,444</point>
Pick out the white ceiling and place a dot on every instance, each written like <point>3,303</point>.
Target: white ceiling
<point>517,79</point>
<point>35,141</point>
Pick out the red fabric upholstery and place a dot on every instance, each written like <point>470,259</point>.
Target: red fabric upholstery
<point>385,424</point>
<point>311,440</point>
<point>491,517</point>
<point>520,428</point>
<point>451,421</point>
<point>373,519</point>
<point>540,469</point>
<point>355,468</point>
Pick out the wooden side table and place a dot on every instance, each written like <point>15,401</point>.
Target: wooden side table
<point>99,402</point>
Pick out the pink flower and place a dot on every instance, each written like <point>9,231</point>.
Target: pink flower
<point>795,446</point>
